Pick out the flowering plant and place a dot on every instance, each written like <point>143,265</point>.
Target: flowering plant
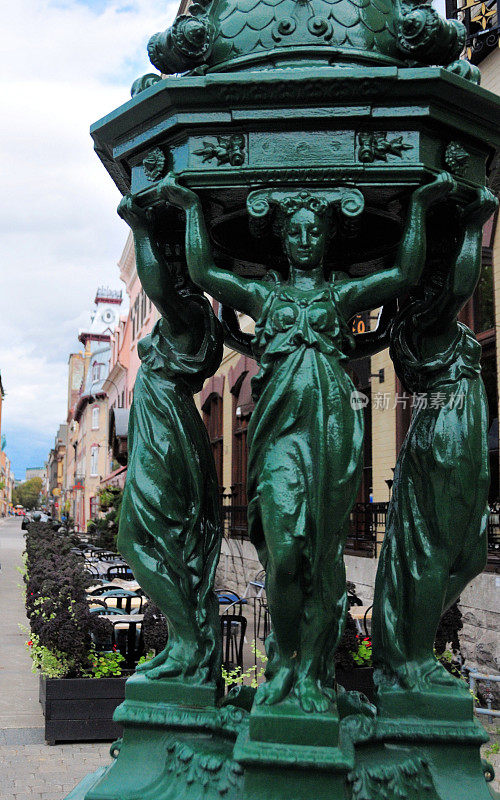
<point>363,655</point>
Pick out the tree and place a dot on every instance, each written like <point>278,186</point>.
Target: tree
<point>28,493</point>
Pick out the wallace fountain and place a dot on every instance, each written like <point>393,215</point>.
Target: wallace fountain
<point>303,161</point>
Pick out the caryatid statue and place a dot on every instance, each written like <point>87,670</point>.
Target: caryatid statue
<point>436,536</point>
<point>305,435</point>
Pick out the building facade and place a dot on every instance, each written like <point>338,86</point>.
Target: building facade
<point>124,364</point>
<point>56,468</point>
<point>85,459</point>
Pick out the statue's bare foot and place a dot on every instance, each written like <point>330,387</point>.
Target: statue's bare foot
<point>175,662</point>
<point>310,696</point>
<point>277,688</point>
<point>154,662</point>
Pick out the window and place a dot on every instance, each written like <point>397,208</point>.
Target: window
<point>96,371</point>
<point>94,455</point>
<point>95,418</point>
<point>212,417</point>
<point>242,409</point>
<point>135,318</point>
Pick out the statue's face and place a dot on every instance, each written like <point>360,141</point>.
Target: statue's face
<point>305,239</point>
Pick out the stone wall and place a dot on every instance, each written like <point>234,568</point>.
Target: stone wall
<point>237,566</point>
<point>480,637</point>
<point>479,603</point>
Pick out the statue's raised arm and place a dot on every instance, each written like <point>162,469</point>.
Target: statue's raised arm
<point>241,293</point>
<point>374,290</point>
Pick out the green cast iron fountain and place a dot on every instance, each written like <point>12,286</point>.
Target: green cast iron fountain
<point>304,162</point>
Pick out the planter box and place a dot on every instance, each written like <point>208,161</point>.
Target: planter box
<point>359,679</point>
<point>81,709</point>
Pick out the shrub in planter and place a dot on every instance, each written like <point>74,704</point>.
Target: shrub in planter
<point>56,604</point>
<point>68,644</point>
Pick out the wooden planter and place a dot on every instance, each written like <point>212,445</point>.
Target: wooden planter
<point>81,709</point>
<point>359,679</point>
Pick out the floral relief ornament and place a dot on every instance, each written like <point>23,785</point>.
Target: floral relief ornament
<point>154,164</point>
<point>456,158</point>
<point>375,146</point>
<point>227,150</point>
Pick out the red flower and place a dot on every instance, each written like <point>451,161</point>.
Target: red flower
<point>30,643</point>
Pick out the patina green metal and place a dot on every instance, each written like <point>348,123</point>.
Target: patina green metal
<point>304,423</point>
<point>298,171</point>
<point>435,540</point>
<point>170,528</point>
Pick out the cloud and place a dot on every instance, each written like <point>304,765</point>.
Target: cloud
<point>64,65</point>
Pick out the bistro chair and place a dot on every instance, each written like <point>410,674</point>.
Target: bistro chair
<point>123,599</point>
<point>108,555</point>
<point>233,628</point>
<point>128,638</point>
<point>119,571</point>
<point>91,569</point>
<point>96,603</point>
<point>105,587</point>
<point>231,600</point>
<point>108,610</point>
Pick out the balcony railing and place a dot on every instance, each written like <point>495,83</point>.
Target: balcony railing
<point>481,23</point>
<point>234,518</point>
<point>365,522</point>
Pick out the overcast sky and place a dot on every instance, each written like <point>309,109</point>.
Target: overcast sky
<point>63,65</point>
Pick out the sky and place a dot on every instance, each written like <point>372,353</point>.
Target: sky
<point>63,65</point>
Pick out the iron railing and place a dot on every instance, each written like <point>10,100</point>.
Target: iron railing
<point>494,537</point>
<point>480,18</point>
<point>365,521</point>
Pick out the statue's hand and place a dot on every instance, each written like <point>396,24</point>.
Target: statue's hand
<point>481,209</point>
<point>132,213</point>
<point>170,191</point>
<point>440,187</point>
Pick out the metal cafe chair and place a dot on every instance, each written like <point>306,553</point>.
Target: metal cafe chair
<point>91,569</point>
<point>233,628</point>
<point>230,599</point>
<point>119,571</point>
<point>123,599</point>
<point>105,587</point>
<point>129,640</point>
<point>104,610</point>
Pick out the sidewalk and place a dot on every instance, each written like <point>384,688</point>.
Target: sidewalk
<point>29,769</point>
